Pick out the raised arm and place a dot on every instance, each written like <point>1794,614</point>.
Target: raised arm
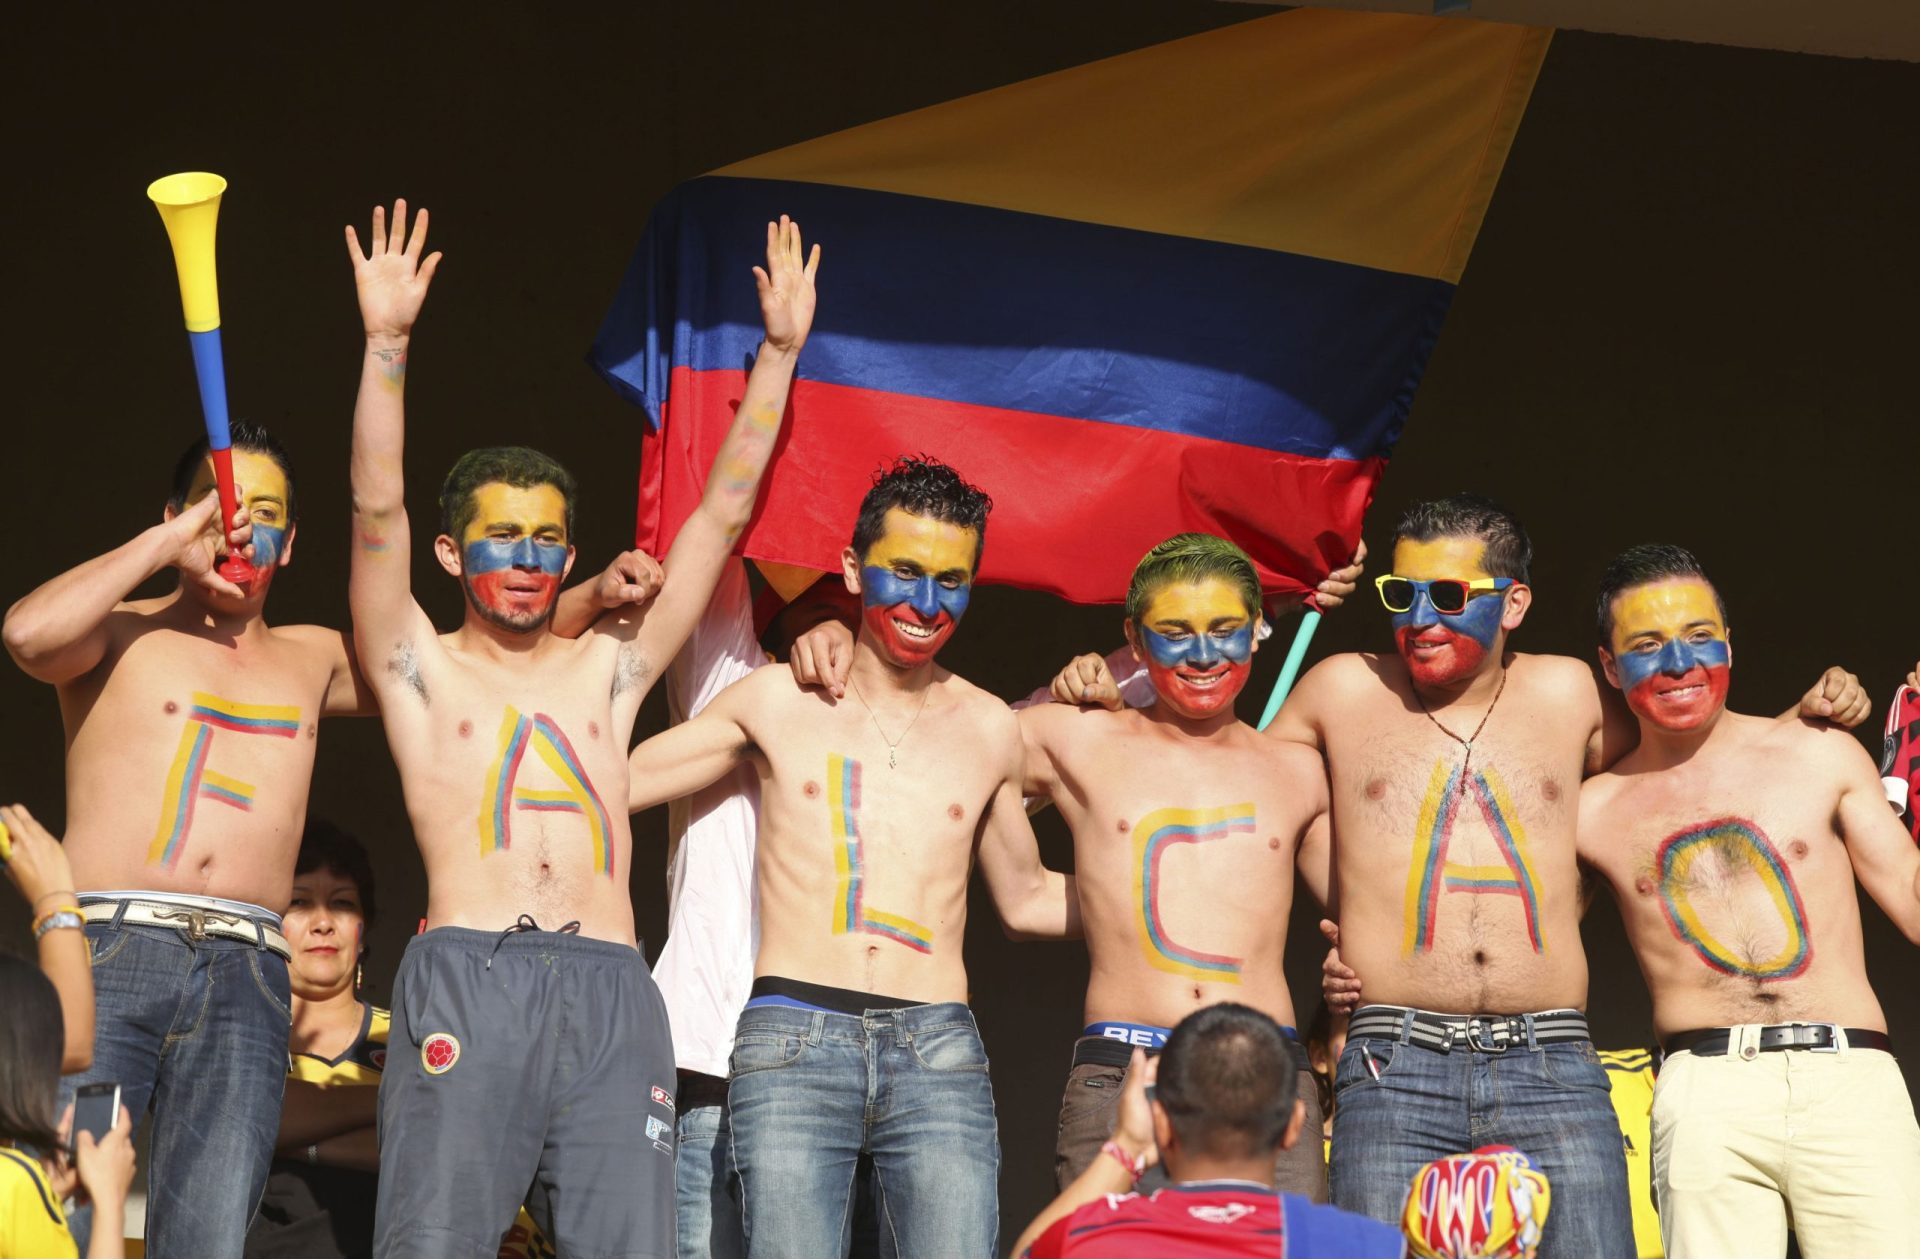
<point>686,757</point>
<point>391,281</point>
<point>59,631</point>
<point>1034,903</point>
<point>693,563</point>
<point>36,863</point>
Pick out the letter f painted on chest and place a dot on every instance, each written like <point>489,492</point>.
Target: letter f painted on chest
<point>189,781</point>
<point>503,795</point>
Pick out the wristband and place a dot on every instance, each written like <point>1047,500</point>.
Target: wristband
<point>56,918</point>
<point>313,1155</point>
<point>1134,1163</point>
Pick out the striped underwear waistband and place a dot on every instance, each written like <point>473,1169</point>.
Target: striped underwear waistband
<point>1483,1033</point>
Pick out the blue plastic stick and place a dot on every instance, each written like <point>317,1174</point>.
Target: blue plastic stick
<point>1291,669</point>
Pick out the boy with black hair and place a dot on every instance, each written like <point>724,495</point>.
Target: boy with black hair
<point>1733,845</point>
<point>531,1060</point>
<point>857,1038</point>
<point>1217,1109</point>
<point>191,728</point>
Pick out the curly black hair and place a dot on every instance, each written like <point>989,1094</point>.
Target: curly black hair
<point>922,486</point>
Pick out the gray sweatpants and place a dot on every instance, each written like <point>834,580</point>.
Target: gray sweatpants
<point>535,1068</point>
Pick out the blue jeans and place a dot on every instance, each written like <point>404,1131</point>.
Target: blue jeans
<point>708,1190</point>
<point>811,1091</point>
<point>705,1187</point>
<point>198,1029</point>
<point>1552,1102</point>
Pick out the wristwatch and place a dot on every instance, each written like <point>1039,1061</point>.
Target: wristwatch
<point>57,919</point>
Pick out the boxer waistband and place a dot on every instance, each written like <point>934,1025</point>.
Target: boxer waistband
<point>796,994</point>
<point>1112,1044</point>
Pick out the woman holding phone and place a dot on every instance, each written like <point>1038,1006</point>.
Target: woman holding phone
<point>49,1027</point>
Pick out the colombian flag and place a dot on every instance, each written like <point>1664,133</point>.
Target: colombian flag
<point>1190,287</point>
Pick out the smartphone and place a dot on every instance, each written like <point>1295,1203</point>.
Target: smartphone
<point>96,1108</point>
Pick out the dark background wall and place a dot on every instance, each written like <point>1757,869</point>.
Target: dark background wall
<point>1687,319</point>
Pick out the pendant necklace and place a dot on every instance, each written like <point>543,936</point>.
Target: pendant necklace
<point>1467,742</point>
<point>893,760</point>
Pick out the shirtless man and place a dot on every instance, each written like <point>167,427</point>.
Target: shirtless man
<point>1732,844</point>
<point>857,1037</point>
<point>531,1059</point>
<point>191,725</point>
<point>1453,767</point>
<point>1187,827</point>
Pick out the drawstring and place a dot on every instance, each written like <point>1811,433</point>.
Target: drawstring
<point>526,923</point>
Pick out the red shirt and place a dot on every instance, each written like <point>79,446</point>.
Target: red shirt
<point>1204,1220</point>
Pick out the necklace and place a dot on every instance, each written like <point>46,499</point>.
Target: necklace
<point>1467,742</point>
<point>893,759</point>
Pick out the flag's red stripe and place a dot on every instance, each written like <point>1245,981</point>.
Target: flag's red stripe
<point>1084,498</point>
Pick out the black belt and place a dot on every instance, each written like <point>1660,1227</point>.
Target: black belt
<point>1103,1051</point>
<point>1707,1042</point>
<point>1482,1033</point>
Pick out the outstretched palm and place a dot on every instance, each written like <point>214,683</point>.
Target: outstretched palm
<point>390,276</point>
<point>786,286</point>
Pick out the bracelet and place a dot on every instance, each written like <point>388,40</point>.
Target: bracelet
<point>313,1155</point>
<point>56,918</point>
<point>1134,1163</point>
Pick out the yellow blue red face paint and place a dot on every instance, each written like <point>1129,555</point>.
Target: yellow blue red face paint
<point>190,779</point>
<point>1153,837</point>
<point>502,795</point>
<point>915,582</point>
<point>1732,842</point>
<point>1671,653</point>
<point>515,554</point>
<point>851,913</point>
<point>1432,874</point>
<point>263,487</point>
<point>1198,638</point>
<point>1441,649</point>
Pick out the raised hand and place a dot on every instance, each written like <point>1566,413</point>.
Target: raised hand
<point>1340,583</point>
<point>34,861</point>
<point>1086,680</point>
<point>390,276</point>
<point>197,549</point>
<point>633,578</point>
<point>1133,1123</point>
<point>786,286</point>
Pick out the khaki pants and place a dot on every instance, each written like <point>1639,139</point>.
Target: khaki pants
<point>1744,1147</point>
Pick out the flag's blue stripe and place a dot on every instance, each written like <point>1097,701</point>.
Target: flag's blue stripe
<point>1028,313</point>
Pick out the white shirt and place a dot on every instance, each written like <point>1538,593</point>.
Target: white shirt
<point>713,923</point>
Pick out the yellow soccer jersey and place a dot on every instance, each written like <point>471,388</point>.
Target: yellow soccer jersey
<point>31,1223</point>
<point>1630,1072</point>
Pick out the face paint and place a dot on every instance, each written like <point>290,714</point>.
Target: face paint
<point>1671,653</point>
<point>515,554</point>
<point>1442,649</point>
<point>263,488</point>
<point>1199,642</point>
<point>915,582</point>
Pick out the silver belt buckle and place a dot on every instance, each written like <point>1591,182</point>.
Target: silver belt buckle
<point>1492,1045</point>
<point>1833,1038</point>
